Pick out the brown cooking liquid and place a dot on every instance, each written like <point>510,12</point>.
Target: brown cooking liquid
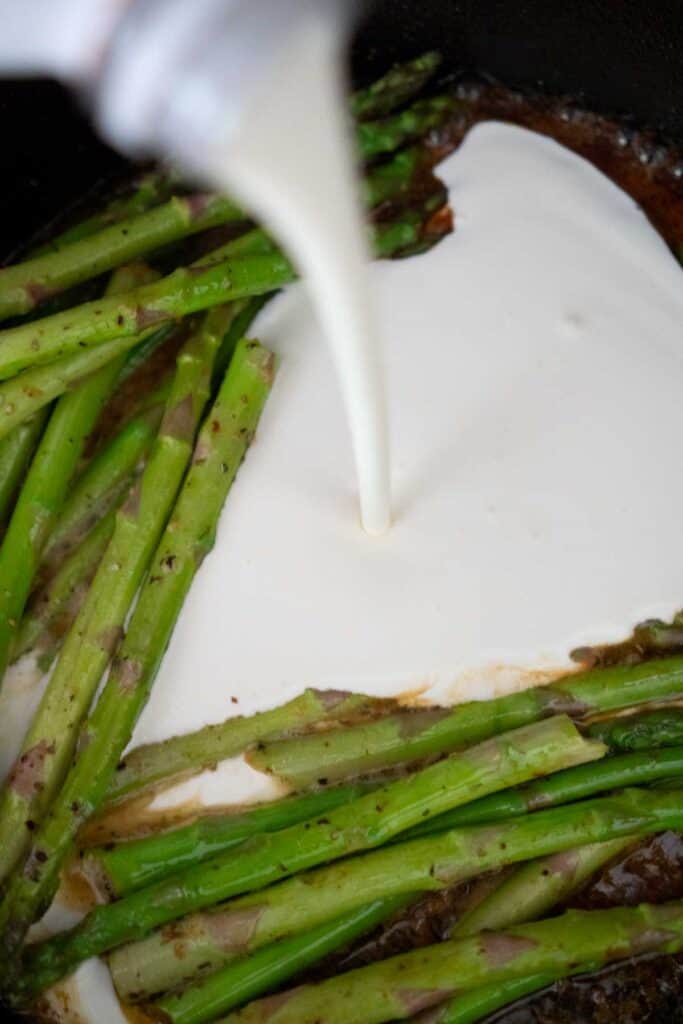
<point>651,173</point>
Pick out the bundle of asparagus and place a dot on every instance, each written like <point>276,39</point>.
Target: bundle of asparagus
<point>104,532</point>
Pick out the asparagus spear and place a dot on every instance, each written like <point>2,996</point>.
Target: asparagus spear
<point>16,452</point>
<point>479,1003</point>
<point>403,738</point>
<point>46,484</point>
<point>204,942</point>
<point>80,537</point>
<point>105,481</point>
<point>641,732</point>
<point>189,536</point>
<point>49,744</point>
<point>129,866</point>
<point>635,769</point>
<point>166,762</point>
<point>182,292</point>
<point>54,608</point>
<point>652,638</point>
<point>245,314</point>
<point>397,177</point>
<point>150,189</point>
<point>246,979</point>
<point>397,86</point>
<point>528,894</point>
<point>397,988</point>
<point>24,285</point>
<point>535,888</point>
<point>364,823</point>
<point>378,137</point>
<point>29,392</point>
<point>416,230</point>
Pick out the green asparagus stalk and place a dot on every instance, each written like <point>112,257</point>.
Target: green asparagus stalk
<point>26,284</point>
<point>55,606</point>
<point>652,638</point>
<point>222,443</point>
<point>401,83</point>
<point>535,888</point>
<point>115,871</point>
<point>528,894</point>
<point>47,481</point>
<point>105,481</point>
<point>269,968</point>
<point>164,763</point>
<point>81,534</point>
<point>397,988</point>
<point>245,315</point>
<point>142,354</point>
<point>206,941</point>
<point>525,896</point>
<point>26,394</point>
<point>479,1003</point>
<point>395,178</point>
<point>16,452</point>
<point>49,744</point>
<point>415,231</point>
<point>182,292</point>
<point>641,732</point>
<point>409,737</point>
<point>386,136</point>
<point>364,823</point>
<point>149,190</point>
<point>636,769</point>
<point>118,869</point>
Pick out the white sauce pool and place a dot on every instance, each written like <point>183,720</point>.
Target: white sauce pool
<point>535,364</point>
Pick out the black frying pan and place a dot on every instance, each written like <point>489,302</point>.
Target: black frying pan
<point>621,57</point>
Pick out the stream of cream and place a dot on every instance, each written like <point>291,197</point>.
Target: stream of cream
<point>292,163</point>
<point>534,365</point>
